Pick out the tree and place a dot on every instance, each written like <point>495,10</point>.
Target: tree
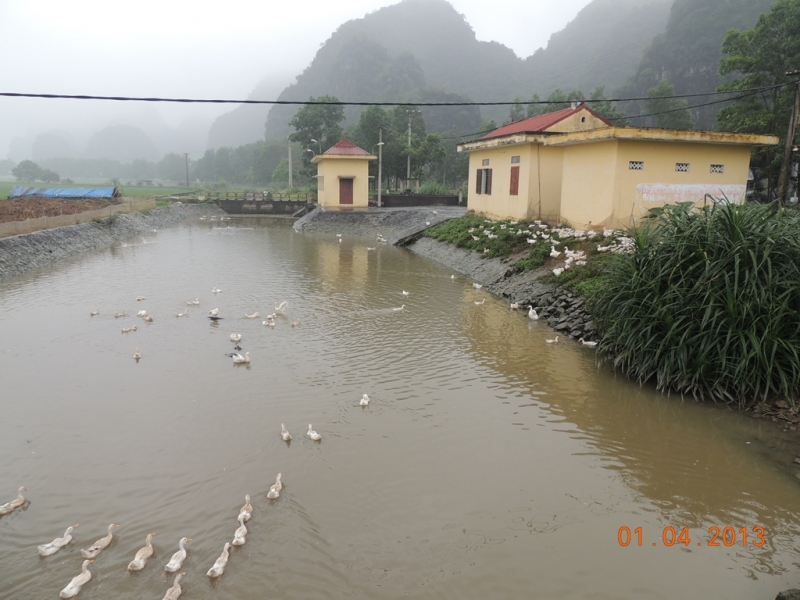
<point>535,108</point>
<point>671,113</point>
<point>560,99</point>
<point>317,122</point>
<point>602,106</point>
<point>172,167</point>
<point>27,170</point>
<point>761,56</point>
<point>49,176</point>
<point>516,112</point>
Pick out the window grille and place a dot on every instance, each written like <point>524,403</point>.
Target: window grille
<point>485,162</point>
<point>682,167</point>
<point>514,160</point>
<point>636,165</point>
<point>717,168</point>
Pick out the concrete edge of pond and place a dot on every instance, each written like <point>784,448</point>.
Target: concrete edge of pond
<point>21,254</point>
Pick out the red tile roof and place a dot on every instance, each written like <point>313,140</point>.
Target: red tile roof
<point>346,147</point>
<point>539,124</point>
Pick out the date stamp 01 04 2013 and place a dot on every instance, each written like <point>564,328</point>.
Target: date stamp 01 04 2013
<point>725,536</point>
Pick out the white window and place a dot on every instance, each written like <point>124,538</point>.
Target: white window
<point>636,165</point>
<point>682,167</point>
<point>717,168</point>
<point>485,162</point>
<point>514,160</point>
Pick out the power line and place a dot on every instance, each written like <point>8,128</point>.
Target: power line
<point>348,103</point>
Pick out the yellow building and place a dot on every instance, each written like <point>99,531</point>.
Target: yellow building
<point>574,166</point>
<point>343,176</point>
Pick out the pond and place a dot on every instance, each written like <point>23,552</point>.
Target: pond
<point>488,464</point>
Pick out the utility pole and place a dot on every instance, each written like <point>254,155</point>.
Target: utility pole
<point>291,185</point>
<point>783,179</point>
<point>186,154</point>
<point>408,167</point>
<point>380,162</point>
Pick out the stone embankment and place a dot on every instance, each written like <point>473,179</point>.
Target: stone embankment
<point>22,254</point>
<point>394,224</point>
<point>562,309</point>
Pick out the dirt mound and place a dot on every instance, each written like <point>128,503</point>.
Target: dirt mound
<point>20,209</point>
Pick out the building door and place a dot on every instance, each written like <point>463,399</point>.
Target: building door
<point>345,191</point>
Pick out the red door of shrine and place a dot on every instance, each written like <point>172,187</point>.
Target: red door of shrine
<point>345,191</point>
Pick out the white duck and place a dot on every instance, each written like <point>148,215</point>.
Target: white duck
<point>140,298</point>
<point>147,319</point>
<point>364,400</point>
<point>532,314</point>
<point>514,305</point>
<point>236,337</point>
<point>140,559</point>
<point>275,488</point>
<point>247,509</point>
<point>405,293</point>
<point>15,503</point>
<point>219,566</point>
<point>238,359</point>
<point>270,322</point>
<point>119,314</point>
<point>185,313</point>
<point>58,543</point>
<point>481,303</point>
<point>95,312</point>
<point>285,435</point>
<point>555,341</point>
<point>313,434</point>
<point>194,302</point>
<point>399,308</point>
<point>141,313</point>
<point>213,312</point>
<point>554,253</point>
<point>74,586</point>
<point>589,344</point>
<point>216,290</point>
<point>477,286</point>
<point>93,550</point>
<point>296,322</point>
<point>128,329</point>
<point>240,533</point>
<point>175,591</point>
<point>281,307</point>
<point>177,559</point>
<point>255,315</point>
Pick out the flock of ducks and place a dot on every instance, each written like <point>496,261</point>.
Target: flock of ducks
<point>142,555</point>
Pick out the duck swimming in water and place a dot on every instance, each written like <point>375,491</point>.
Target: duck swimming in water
<point>15,503</point>
<point>275,489</point>
<point>140,559</point>
<point>93,550</point>
<point>177,559</point>
<point>74,586</point>
<point>219,565</point>
<point>58,543</point>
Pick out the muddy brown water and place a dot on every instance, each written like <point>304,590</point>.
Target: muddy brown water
<point>489,464</point>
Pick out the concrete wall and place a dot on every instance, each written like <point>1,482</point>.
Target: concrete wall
<point>400,200</point>
<point>582,120</point>
<point>659,183</point>
<point>330,169</point>
<point>126,205</point>
<point>500,204</point>
<point>587,192</point>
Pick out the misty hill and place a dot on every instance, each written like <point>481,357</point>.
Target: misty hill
<point>688,52</point>
<point>601,46</point>
<point>417,47</point>
<point>245,123</point>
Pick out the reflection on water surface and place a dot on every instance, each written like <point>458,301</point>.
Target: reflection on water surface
<point>488,463</point>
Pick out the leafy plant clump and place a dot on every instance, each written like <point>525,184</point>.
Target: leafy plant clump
<point>708,303</point>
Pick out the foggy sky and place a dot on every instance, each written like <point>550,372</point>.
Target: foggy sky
<point>203,49</point>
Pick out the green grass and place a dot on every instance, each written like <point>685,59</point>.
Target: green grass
<point>708,303</point>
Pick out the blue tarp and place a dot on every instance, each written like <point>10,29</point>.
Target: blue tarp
<point>20,192</point>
